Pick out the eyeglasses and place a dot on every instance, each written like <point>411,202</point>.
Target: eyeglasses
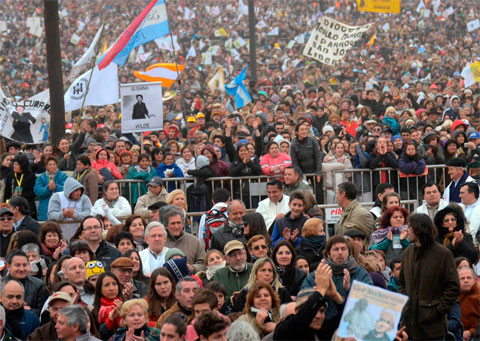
<point>258,247</point>
<point>90,228</point>
<point>6,218</point>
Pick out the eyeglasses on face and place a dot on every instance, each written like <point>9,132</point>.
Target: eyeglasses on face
<point>258,247</point>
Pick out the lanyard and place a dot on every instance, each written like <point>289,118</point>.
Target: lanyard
<point>19,183</point>
<point>79,176</point>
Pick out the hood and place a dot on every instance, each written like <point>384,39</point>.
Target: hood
<point>210,148</point>
<point>98,152</point>
<point>458,123</point>
<point>71,185</point>
<point>202,161</point>
<point>451,99</point>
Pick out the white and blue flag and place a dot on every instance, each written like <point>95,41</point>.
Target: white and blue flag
<point>238,90</point>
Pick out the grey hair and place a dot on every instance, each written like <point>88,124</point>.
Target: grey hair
<point>152,225</point>
<point>4,284</point>
<point>283,309</point>
<point>31,247</point>
<point>229,207</point>
<point>76,314</point>
<point>242,331</point>
<point>185,279</point>
<point>168,211</point>
<point>471,270</point>
<point>2,315</point>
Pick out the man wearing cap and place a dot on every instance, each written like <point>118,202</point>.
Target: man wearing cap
<point>473,152</point>
<point>234,276</point>
<point>122,267</point>
<point>56,302</point>
<point>156,192</point>
<point>458,174</point>
<point>6,229</point>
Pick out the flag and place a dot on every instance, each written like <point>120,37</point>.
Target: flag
<point>103,88</point>
<point>220,32</point>
<point>191,52</point>
<point>217,81</point>
<point>162,72</point>
<point>273,32</point>
<point>471,74</point>
<point>104,46</point>
<point>189,14</point>
<point>473,25</point>
<point>165,43</point>
<point>371,41</point>
<point>238,90</point>
<point>87,57</point>
<point>142,56</point>
<point>152,23</point>
<point>243,9</point>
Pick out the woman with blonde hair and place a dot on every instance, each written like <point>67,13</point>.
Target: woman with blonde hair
<point>313,242</point>
<point>134,317</point>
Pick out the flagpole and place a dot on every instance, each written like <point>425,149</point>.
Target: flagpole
<point>93,68</point>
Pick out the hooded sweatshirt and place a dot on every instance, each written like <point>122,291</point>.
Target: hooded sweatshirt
<point>62,200</point>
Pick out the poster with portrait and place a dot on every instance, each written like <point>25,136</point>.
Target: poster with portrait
<point>142,107</point>
<point>371,313</point>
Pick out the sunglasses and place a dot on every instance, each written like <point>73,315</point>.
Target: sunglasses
<point>6,218</point>
<point>258,247</point>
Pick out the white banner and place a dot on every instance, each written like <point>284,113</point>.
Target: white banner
<point>473,25</point>
<point>27,121</point>
<point>331,40</point>
<point>142,107</point>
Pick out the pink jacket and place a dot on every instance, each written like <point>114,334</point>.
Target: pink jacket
<point>266,162</point>
<point>99,164</point>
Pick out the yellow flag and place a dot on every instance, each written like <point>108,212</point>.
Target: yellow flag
<point>379,6</point>
<point>475,67</point>
<point>220,32</point>
<point>372,40</point>
<point>217,81</point>
<point>104,47</point>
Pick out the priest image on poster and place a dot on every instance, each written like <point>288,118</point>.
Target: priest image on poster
<point>21,125</point>
<point>140,110</point>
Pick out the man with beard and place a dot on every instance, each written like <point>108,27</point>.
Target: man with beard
<point>234,230</point>
<point>344,270</point>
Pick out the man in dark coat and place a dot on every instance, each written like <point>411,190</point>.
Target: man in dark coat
<point>21,218</point>
<point>429,277</point>
<point>140,110</point>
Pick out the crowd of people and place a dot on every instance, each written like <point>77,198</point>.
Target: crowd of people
<point>87,256</point>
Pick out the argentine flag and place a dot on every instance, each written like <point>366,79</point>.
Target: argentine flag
<point>238,90</point>
<point>152,23</point>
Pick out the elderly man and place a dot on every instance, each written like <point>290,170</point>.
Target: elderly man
<point>185,290</point>
<point>57,301</point>
<point>76,274</point>
<point>154,256</point>
<point>469,193</point>
<point>469,301</point>
<point>92,233</point>
<point>73,324</point>
<point>131,288</point>
<point>459,175</point>
<point>293,180</point>
<point>6,229</point>
<point>234,230</point>
<point>276,205</point>
<point>18,268</point>
<point>345,269</point>
<point>156,192</point>
<point>433,201</point>
<point>191,247</point>
<point>21,215</point>
<point>236,274</point>
<point>70,204</point>
<point>20,321</point>
<point>354,216</point>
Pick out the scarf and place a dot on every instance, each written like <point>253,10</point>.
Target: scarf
<point>48,251</point>
<point>316,242</point>
<point>254,311</point>
<point>337,269</point>
<point>138,169</point>
<point>13,317</point>
<point>211,269</point>
<point>380,234</point>
<point>237,229</point>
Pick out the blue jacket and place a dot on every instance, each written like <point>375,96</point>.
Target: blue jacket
<point>137,173</point>
<point>293,224</point>
<point>177,173</point>
<point>27,323</point>
<point>44,193</point>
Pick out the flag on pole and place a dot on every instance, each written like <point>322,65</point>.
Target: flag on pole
<point>238,90</point>
<point>87,57</point>
<point>220,32</point>
<point>103,88</point>
<point>162,72</point>
<point>104,46</point>
<point>372,40</point>
<point>152,23</point>
<point>217,81</point>
<point>165,43</point>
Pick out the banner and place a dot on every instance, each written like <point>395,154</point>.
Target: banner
<point>331,40</point>
<point>379,6</point>
<point>142,107</point>
<point>27,121</point>
<point>371,313</point>
<point>473,25</point>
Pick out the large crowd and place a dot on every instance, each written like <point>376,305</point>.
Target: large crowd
<point>127,236</point>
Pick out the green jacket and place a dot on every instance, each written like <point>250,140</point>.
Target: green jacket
<point>232,280</point>
<point>137,173</point>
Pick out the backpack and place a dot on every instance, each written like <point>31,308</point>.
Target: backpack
<point>214,220</point>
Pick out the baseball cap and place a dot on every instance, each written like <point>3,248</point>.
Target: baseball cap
<point>191,119</point>
<point>474,135</point>
<point>200,115</point>
<point>122,263</point>
<point>155,181</point>
<point>232,246</point>
<point>59,295</point>
<point>4,210</point>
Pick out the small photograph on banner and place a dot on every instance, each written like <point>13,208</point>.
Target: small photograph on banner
<point>142,107</point>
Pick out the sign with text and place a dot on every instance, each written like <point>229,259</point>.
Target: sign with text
<point>333,214</point>
<point>331,40</point>
<point>142,107</point>
<point>379,6</point>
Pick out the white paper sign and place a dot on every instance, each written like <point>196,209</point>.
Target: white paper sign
<point>142,107</point>
<point>3,26</point>
<point>473,25</point>
<point>331,40</point>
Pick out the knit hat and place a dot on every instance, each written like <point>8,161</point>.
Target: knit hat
<point>94,267</point>
<point>263,116</point>
<point>173,252</point>
<point>178,268</point>
<point>202,161</point>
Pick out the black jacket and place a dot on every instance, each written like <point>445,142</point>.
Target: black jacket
<point>312,254</point>
<point>35,293</point>
<point>293,279</point>
<point>306,155</point>
<point>140,289</point>
<point>4,241</point>
<point>28,223</point>
<point>107,253</point>
<point>223,235</point>
<point>28,183</point>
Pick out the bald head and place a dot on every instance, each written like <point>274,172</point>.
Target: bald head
<point>236,210</point>
<point>12,295</point>
<point>75,271</point>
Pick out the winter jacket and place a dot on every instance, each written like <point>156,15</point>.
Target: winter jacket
<point>306,155</point>
<point>241,189</point>
<point>44,193</point>
<point>356,217</point>
<point>27,323</point>
<point>392,123</point>
<point>377,160</point>
<point>292,224</point>
<point>267,162</point>
<point>28,223</point>
<point>452,192</point>
<point>292,279</point>
<point>149,334</point>
<point>119,209</point>
<point>219,167</point>
<point>89,180</point>
<point>71,163</point>
<point>186,165</point>
<point>100,164</point>
<point>232,280</point>
<point>61,200</point>
<point>470,307</point>
<point>191,247</point>
<point>222,236</point>
<point>137,173</point>
<point>35,293</point>
<point>464,249</point>
<point>430,280</point>
<point>44,332</point>
<point>107,253</point>
<point>177,173</point>
<point>143,202</point>
<point>312,254</point>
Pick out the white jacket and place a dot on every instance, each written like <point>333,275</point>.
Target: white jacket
<point>121,209</point>
<point>446,194</point>
<point>269,210</point>
<point>424,209</point>
<point>473,215</point>
<point>149,262</point>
